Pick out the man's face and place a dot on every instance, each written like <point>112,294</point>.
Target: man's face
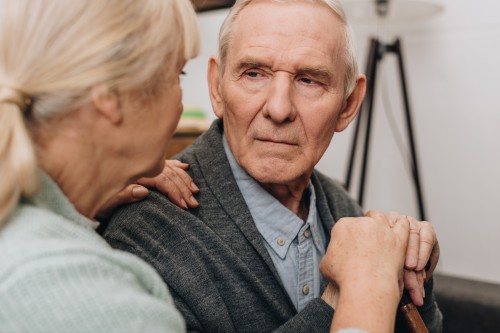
<point>282,92</point>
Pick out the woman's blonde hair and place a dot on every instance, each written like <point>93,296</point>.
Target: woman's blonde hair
<point>350,59</point>
<point>53,51</point>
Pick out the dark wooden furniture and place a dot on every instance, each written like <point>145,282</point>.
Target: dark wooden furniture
<point>204,5</point>
<point>183,137</point>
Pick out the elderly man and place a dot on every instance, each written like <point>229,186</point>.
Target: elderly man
<point>247,259</point>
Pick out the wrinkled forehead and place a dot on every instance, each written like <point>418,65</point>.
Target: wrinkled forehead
<point>299,29</point>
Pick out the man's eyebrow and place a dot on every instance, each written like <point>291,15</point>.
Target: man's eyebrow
<point>249,63</point>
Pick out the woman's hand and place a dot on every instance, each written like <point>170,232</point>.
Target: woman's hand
<point>173,181</point>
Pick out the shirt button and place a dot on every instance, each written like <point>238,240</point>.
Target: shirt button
<point>305,289</point>
<point>280,241</point>
<point>307,233</point>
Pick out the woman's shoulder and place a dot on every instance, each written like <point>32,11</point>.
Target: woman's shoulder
<point>35,234</point>
<point>34,228</point>
<point>49,264</point>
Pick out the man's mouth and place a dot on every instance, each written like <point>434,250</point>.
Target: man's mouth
<point>278,141</point>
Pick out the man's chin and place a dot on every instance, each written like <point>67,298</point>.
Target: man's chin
<point>275,174</point>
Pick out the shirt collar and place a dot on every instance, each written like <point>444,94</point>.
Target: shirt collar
<point>278,225</point>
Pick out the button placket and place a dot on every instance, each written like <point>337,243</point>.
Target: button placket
<point>306,268</point>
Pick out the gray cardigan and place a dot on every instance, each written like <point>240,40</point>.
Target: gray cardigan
<point>214,259</point>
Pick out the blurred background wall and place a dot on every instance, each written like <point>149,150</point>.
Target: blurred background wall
<point>452,67</point>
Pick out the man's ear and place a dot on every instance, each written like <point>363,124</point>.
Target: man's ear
<point>214,87</point>
<point>351,105</point>
<point>106,103</point>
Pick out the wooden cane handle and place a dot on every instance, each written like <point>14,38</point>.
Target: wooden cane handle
<point>413,319</point>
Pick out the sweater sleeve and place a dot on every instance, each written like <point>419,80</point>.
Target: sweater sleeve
<point>315,317</point>
<point>430,312</point>
<point>80,291</point>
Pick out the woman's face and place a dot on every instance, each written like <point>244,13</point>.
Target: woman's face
<point>152,125</point>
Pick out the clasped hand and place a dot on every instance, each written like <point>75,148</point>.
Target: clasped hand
<point>173,181</point>
<point>381,248</point>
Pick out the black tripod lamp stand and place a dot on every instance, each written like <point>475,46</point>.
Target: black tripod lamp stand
<point>376,53</point>
<point>386,11</point>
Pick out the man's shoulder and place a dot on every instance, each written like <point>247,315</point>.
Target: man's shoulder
<point>155,212</point>
<point>156,215</point>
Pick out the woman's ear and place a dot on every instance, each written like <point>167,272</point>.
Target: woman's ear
<point>106,103</point>
<point>352,104</point>
<point>214,87</point>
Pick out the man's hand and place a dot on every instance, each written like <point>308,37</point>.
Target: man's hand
<point>422,251</point>
<point>173,181</point>
<point>421,260</point>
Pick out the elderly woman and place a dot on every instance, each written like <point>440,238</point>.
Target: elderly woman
<point>89,97</point>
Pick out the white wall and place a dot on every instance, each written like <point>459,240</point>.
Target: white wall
<point>452,67</point>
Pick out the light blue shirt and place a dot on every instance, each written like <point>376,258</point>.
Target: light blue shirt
<point>295,247</point>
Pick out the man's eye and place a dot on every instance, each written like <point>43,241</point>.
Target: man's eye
<point>252,74</point>
<point>182,76</point>
<point>306,80</point>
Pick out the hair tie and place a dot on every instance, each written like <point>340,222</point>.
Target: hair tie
<point>24,101</point>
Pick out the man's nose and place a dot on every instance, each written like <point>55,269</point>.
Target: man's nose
<point>279,106</point>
